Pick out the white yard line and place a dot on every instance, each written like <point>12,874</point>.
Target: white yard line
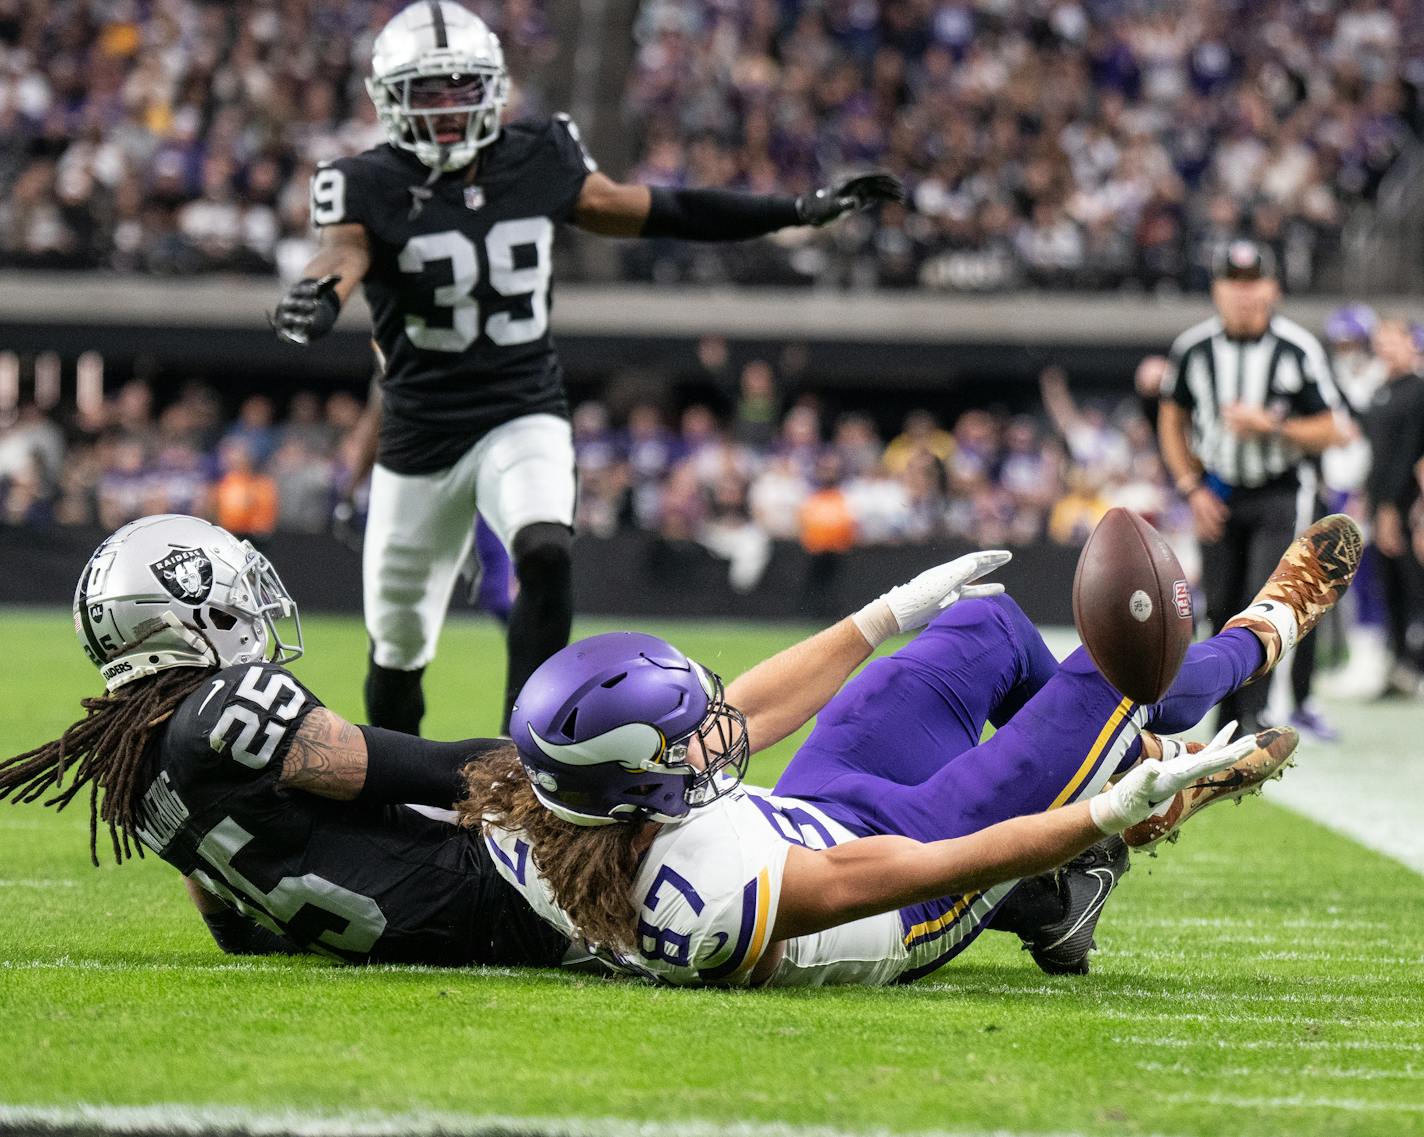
<point>197,1120</point>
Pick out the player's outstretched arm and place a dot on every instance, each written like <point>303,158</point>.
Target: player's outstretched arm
<point>782,693</point>
<point>331,758</point>
<point>310,307</point>
<point>616,210</point>
<point>823,889</point>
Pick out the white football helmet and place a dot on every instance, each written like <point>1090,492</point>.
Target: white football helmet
<point>175,591</point>
<point>433,62</point>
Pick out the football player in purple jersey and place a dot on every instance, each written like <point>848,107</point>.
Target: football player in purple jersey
<point>895,836</point>
<point>450,227</point>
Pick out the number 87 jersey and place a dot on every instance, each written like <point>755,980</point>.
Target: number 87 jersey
<point>459,283</point>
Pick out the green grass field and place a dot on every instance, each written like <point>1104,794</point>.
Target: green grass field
<point>1263,976</point>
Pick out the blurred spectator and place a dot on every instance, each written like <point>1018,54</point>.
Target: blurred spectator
<point>921,432</point>
<point>254,429</point>
<point>1076,513</point>
<point>755,422</point>
<point>246,499</point>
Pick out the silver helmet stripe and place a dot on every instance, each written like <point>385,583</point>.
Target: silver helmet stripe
<point>84,617</point>
<point>633,744</point>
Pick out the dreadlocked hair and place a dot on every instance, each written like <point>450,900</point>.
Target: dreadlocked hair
<point>109,748</point>
<point>589,869</point>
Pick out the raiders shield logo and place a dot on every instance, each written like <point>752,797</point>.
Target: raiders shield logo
<point>474,197</point>
<point>186,575</point>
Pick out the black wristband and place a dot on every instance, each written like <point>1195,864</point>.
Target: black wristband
<point>405,769</point>
<point>237,934</point>
<point>716,214</point>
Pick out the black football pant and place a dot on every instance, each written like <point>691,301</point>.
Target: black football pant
<point>1262,524</point>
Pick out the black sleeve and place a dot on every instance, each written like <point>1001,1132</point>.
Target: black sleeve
<point>237,934</point>
<point>717,215</point>
<point>341,193</point>
<point>1316,381</point>
<point>572,164</point>
<point>238,726</point>
<point>1174,384</point>
<point>402,769</point>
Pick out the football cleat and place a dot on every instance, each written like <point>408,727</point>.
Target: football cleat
<point>1248,775</point>
<point>1312,575</point>
<point>1085,882</point>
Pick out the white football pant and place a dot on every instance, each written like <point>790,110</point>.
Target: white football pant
<point>420,527</point>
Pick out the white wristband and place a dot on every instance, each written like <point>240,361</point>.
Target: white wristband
<point>876,622</point>
<point>1103,810</point>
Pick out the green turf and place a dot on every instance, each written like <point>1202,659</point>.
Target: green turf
<point>1264,976</point>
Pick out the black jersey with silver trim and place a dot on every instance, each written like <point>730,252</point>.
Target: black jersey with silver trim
<point>362,882</point>
<point>460,283</point>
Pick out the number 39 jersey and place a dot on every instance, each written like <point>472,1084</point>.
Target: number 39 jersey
<point>362,882</point>
<point>708,891</point>
<point>460,283</point>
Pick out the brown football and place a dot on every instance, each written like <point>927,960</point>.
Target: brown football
<point>1132,606</point>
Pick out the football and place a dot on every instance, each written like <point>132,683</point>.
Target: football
<point>1132,606</point>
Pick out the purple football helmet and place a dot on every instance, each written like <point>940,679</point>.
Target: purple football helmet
<point>603,729</point>
<point>1352,323</point>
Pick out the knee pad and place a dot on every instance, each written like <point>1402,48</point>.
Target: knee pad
<point>543,553</point>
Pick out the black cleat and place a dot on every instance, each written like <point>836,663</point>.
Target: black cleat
<point>1086,882</point>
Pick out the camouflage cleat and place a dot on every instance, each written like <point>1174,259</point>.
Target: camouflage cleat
<point>1085,882</point>
<point>1314,573</point>
<point>1272,755</point>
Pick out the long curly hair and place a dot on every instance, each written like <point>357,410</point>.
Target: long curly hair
<point>589,869</point>
<point>109,748</point>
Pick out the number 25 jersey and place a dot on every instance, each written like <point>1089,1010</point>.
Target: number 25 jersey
<point>460,283</point>
<point>360,881</point>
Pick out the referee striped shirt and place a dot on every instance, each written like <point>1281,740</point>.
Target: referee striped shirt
<point>1285,371</point>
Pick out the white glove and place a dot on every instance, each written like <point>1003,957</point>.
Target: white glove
<point>915,603</point>
<point>1149,787</point>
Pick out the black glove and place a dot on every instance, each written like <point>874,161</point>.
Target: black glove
<point>851,196</point>
<point>345,526</point>
<point>307,311</point>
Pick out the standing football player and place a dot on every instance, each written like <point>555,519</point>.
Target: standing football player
<point>450,226</point>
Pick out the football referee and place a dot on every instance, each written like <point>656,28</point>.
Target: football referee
<point>1246,398</point>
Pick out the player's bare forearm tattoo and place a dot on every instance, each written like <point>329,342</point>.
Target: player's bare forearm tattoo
<point>327,757</point>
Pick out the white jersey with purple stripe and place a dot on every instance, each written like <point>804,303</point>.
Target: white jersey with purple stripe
<point>708,891</point>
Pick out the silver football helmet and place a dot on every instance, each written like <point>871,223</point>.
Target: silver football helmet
<point>175,591</point>
<point>434,65</point>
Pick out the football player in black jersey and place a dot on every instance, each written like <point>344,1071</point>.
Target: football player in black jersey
<point>294,829</point>
<point>450,226</point>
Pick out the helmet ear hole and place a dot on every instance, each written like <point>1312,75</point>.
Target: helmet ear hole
<point>570,724</point>
<point>221,620</point>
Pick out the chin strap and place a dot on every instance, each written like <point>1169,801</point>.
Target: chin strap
<point>420,194</point>
<point>195,640</point>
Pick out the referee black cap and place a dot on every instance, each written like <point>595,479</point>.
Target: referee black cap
<point>1243,259</point>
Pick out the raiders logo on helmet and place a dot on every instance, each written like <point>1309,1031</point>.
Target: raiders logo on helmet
<point>186,575</point>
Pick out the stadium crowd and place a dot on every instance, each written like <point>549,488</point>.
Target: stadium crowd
<point>734,482</point>
<point>1057,142</point>
<point>176,136</point>
<point>1054,142</point>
